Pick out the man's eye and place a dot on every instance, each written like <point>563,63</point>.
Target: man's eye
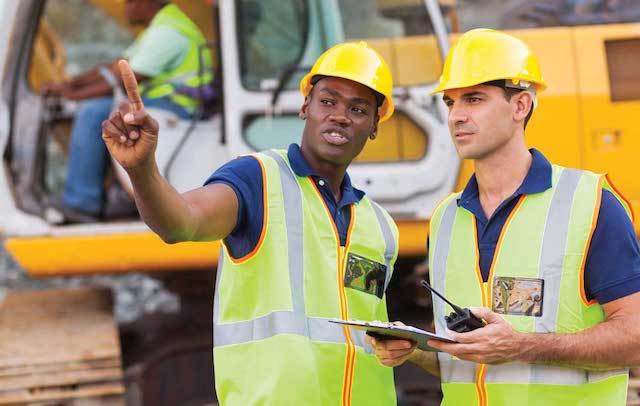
<point>359,110</point>
<point>474,99</point>
<point>327,102</point>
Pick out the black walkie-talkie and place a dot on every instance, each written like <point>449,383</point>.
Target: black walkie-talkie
<point>460,320</point>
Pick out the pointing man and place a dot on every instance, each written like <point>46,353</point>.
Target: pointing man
<point>294,229</point>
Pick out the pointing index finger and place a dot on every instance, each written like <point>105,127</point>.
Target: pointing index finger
<point>130,85</point>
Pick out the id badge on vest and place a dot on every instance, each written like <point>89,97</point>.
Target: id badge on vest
<point>365,275</point>
<point>518,296</point>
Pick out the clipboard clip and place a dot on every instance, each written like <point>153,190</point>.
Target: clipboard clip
<point>459,320</point>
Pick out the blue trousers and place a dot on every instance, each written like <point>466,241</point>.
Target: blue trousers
<point>88,155</point>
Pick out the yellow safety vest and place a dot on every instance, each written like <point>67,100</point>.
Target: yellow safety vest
<point>545,237</point>
<point>273,344</point>
<point>189,73</point>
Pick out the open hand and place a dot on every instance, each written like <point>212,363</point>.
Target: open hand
<point>130,133</point>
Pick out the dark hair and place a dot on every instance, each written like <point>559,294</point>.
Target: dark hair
<point>509,92</point>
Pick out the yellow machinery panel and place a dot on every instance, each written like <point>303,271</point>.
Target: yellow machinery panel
<point>555,125</point>
<point>399,139</point>
<point>96,254</point>
<point>417,60</point>
<point>610,131</point>
<point>412,62</point>
<point>143,252</point>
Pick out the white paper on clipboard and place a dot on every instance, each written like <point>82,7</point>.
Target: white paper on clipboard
<point>391,331</point>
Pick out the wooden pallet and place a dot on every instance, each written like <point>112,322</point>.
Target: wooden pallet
<point>57,345</point>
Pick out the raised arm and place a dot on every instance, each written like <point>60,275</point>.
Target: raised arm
<point>131,136</point>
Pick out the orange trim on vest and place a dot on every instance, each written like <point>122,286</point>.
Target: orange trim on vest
<point>481,389</point>
<point>620,196</point>
<point>265,218</point>
<point>503,232</point>
<point>350,355</point>
<point>477,265</point>
<point>486,290</point>
<point>350,361</point>
<point>594,222</point>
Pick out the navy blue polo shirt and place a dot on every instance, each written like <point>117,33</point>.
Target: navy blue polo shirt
<point>244,176</point>
<point>612,269</point>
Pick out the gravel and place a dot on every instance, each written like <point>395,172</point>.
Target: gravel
<point>135,295</point>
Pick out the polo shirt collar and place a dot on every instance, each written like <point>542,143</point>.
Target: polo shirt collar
<point>301,167</point>
<point>538,180</point>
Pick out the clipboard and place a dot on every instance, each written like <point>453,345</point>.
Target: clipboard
<point>386,330</point>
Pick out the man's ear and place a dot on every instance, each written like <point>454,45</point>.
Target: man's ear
<point>523,105</point>
<point>303,109</point>
<point>374,131</point>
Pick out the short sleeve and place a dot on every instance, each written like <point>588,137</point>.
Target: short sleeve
<point>157,50</point>
<point>612,268</point>
<point>244,176</point>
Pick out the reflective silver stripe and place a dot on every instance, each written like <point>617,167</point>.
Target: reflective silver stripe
<point>439,271</point>
<point>553,247</point>
<point>593,376</point>
<point>292,197</point>
<point>516,372</point>
<point>358,338</point>
<point>216,296</point>
<point>519,373</point>
<point>450,370</point>
<point>550,270</point>
<point>389,240</point>
<point>456,370</point>
<point>281,322</point>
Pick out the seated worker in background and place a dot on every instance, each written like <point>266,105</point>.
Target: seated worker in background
<point>165,59</point>
<point>300,243</point>
<point>546,255</point>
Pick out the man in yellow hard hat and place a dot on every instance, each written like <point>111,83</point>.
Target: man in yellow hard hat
<point>545,255</point>
<point>294,229</point>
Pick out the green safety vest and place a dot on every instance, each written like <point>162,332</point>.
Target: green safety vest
<point>273,344</point>
<point>546,237</point>
<point>187,74</point>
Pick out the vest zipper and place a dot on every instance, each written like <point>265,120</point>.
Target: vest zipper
<point>481,387</point>
<point>350,354</point>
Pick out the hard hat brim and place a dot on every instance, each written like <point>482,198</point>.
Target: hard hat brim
<point>384,111</point>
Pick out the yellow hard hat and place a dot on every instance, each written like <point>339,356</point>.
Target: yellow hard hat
<point>483,55</point>
<point>358,62</point>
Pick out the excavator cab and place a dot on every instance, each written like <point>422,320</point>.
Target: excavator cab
<point>62,49</point>
<point>260,49</point>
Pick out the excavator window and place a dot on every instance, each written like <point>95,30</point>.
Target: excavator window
<point>272,36</point>
<point>280,41</point>
<point>73,36</point>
